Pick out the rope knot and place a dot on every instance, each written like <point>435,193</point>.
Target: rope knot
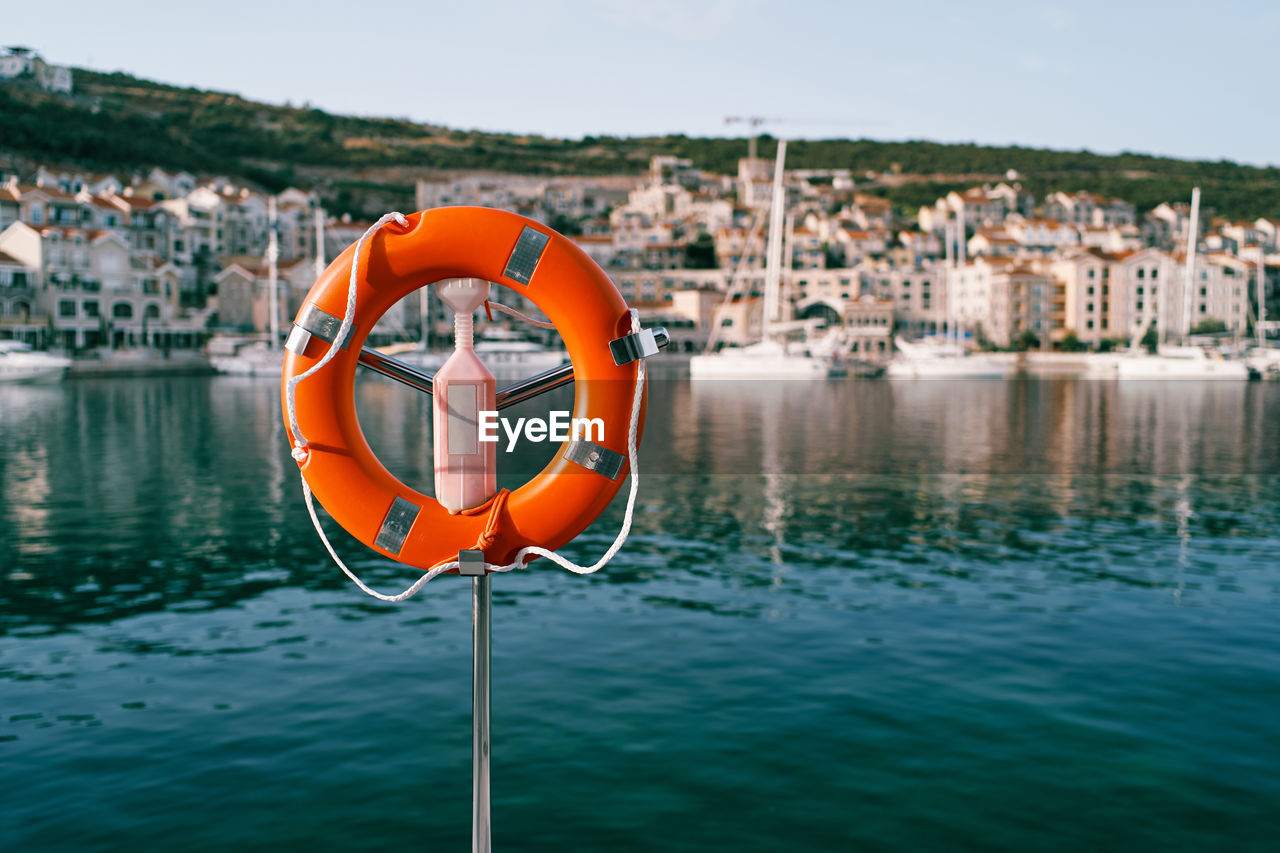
<point>490,533</point>
<point>300,451</point>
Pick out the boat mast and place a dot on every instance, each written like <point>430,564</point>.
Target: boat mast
<point>961,258</point>
<point>773,260</point>
<point>1262,296</point>
<point>1189,275</point>
<point>949,280</point>
<point>273,284</point>
<point>319,241</point>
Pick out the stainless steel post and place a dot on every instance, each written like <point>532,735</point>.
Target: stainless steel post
<point>518,392</point>
<point>480,634</point>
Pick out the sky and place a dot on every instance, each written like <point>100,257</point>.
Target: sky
<point>1186,79</point>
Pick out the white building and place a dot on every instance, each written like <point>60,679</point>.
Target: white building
<point>88,285</point>
<point>18,62</point>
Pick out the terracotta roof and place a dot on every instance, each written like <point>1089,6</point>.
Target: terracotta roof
<point>258,265</point>
<point>51,192</point>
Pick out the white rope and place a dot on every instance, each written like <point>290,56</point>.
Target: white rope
<point>299,440</point>
<point>507,309</point>
<point>301,450</point>
<point>400,596</point>
<point>634,464</point>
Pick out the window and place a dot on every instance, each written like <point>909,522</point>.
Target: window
<point>1091,273</point>
<point>37,214</point>
<point>67,308</point>
<point>153,311</point>
<point>1204,291</point>
<point>122,311</point>
<point>1155,273</point>
<point>1088,324</point>
<point>1090,291</point>
<point>1142,273</point>
<point>91,308</point>
<point>1089,308</point>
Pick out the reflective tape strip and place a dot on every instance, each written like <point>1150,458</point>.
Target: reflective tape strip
<point>395,527</point>
<point>322,324</point>
<point>297,341</point>
<point>593,457</point>
<point>525,256</point>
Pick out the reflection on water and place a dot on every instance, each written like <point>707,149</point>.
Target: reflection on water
<point>909,614</point>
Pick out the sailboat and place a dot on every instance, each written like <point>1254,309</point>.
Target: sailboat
<point>946,358</point>
<point>1185,361</point>
<point>1262,358</point>
<point>769,358</point>
<point>506,352</point>
<point>265,358</point>
<point>934,359</point>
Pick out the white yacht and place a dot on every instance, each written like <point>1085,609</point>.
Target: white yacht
<point>936,359</point>
<point>20,363</point>
<point>762,360</point>
<point>255,358</point>
<point>505,352</point>
<point>1170,362</point>
<point>1266,361</point>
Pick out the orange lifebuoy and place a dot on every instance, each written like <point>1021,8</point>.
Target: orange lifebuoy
<point>463,242</point>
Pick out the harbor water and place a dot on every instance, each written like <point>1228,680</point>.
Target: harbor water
<point>852,615</point>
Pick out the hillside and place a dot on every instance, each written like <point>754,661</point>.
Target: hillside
<point>119,122</point>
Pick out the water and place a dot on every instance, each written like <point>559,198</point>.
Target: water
<point>864,615</point>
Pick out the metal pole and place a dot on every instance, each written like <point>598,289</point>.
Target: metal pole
<point>1190,273</point>
<point>273,290</point>
<point>422,380</point>
<point>480,635</point>
<point>1262,296</point>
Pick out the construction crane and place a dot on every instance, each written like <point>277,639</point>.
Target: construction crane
<point>755,122</point>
